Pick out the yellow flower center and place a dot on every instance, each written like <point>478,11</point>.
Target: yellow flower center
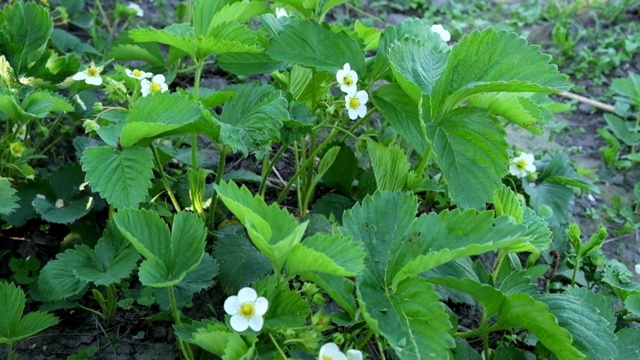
<point>155,88</point>
<point>354,102</point>
<point>16,149</point>
<point>92,71</point>
<point>521,164</point>
<point>247,310</point>
<point>327,357</point>
<point>347,80</point>
<point>136,73</point>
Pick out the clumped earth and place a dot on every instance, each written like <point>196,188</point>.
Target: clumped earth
<point>137,334</point>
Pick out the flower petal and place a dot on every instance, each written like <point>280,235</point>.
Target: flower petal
<point>361,111</point>
<point>239,323</point>
<point>354,354</point>
<point>247,294</point>
<point>329,349</point>
<point>353,114</point>
<point>261,306</point>
<point>362,96</point>
<point>158,79</point>
<point>232,305</point>
<point>164,87</point>
<point>256,322</point>
<point>80,76</point>
<point>93,80</point>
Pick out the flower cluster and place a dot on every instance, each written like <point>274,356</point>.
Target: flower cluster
<point>355,100</point>
<point>331,351</point>
<point>522,165</point>
<point>91,76</point>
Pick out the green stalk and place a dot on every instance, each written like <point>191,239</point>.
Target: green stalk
<point>196,81</point>
<point>164,180</point>
<point>11,355</point>
<point>501,256</point>
<point>184,347</point>
<point>266,170</point>
<point>219,173</point>
<point>479,332</point>
<point>284,356</point>
<point>111,303</point>
<point>309,161</point>
<point>575,269</point>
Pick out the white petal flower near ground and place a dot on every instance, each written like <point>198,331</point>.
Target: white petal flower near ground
<point>246,310</point>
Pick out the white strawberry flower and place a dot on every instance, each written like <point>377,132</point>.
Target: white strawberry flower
<point>521,166</point>
<point>91,75</point>
<point>280,12</point>
<point>355,103</point>
<point>331,351</point>
<point>440,30</point>
<point>351,353</point>
<point>246,310</point>
<point>157,84</point>
<point>137,74</point>
<point>137,8</point>
<point>21,133</point>
<point>348,79</point>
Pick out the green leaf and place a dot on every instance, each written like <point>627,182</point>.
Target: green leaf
<point>326,253</point>
<point>632,304</point>
<point>188,239</point>
<point>13,326</point>
<point>169,256</point>
<point>620,278</point>
<point>591,334</point>
<point>235,12</point>
<point>343,169</point>
<point>272,230</point>
<point>26,29</point>
<point>390,165</point>
<point>411,318</point>
<point>629,87</point>
<point>129,173</point>
<point>13,301</point>
<point>378,223</point>
<point>246,64</point>
<point>417,65</point>
<point>558,197</point>
<point>241,263</point>
<point>287,309</point>
<point>620,128</point>
<point>8,198</point>
<point>490,298</point>
<point>252,119</point>
<point>403,113</point>
<point>599,301</point>
<point>56,282</point>
<point>523,311</point>
<point>111,261</point>
<point>340,289</point>
<point>435,239</point>
<point>517,109</point>
<point>502,61</point>
<point>164,114</point>
<point>521,281</point>
<point>148,52</point>
<point>195,281</point>
<point>40,103</point>
<point>537,230</point>
<point>627,344</point>
<point>472,152</point>
<point>506,202</point>
<point>298,43</point>
<point>212,336</point>
<point>69,213</point>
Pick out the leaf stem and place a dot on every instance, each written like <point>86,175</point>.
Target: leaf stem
<point>219,173</point>
<point>479,332</point>
<point>284,356</point>
<point>164,180</point>
<point>576,266</point>
<point>184,347</point>
<point>266,171</point>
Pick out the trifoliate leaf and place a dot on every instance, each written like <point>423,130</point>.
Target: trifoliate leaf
<point>57,280</point>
